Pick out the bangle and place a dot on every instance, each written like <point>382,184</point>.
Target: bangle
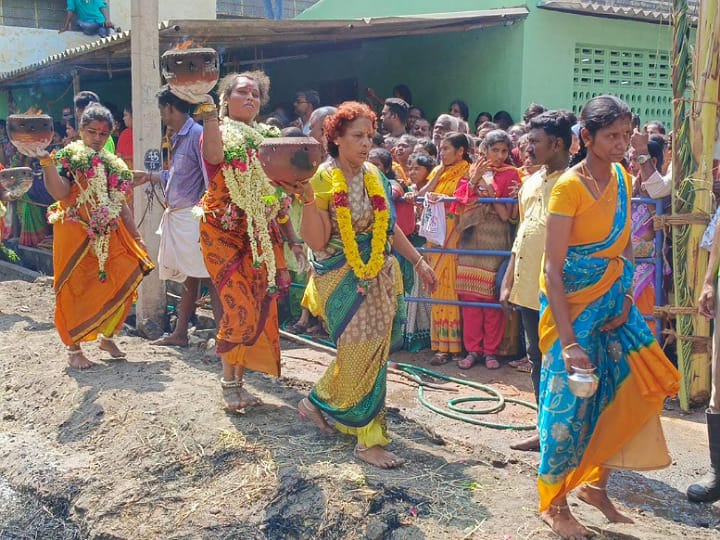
<point>417,263</point>
<point>282,220</point>
<point>308,203</point>
<point>566,348</point>
<point>206,108</point>
<point>47,161</point>
<point>295,242</point>
<point>630,297</point>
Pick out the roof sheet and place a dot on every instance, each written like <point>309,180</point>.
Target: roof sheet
<point>657,11</point>
<point>237,34</point>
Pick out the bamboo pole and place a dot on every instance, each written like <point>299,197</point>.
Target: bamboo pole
<point>693,143</point>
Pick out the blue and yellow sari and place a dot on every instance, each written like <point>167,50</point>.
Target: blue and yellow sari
<point>579,437</point>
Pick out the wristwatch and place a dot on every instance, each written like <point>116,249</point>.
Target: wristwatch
<point>643,158</point>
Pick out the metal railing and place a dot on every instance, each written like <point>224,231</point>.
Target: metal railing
<point>657,260</point>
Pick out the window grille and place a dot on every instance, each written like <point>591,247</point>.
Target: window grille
<point>49,14</point>
<point>640,77</point>
<point>256,8</point>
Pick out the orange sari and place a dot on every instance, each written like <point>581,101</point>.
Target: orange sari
<point>248,333</point>
<point>445,331</point>
<point>85,306</point>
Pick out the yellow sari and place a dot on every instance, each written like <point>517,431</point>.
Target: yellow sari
<point>445,327</point>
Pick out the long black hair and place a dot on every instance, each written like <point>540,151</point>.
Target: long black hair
<point>598,113</point>
<point>458,141</point>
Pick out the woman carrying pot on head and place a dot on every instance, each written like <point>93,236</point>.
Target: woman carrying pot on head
<point>240,233</point>
<point>98,255</point>
<point>356,287</point>
<point>589,321</point>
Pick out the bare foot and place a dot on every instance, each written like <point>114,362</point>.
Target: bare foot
<point>598,498</point>
<point>564,524</point>
<point>311,412</point>
<point>109,346</point>
<point>526,445</point>
<point>378,457</point>
<point>78,360</point>
<point>173,340</point>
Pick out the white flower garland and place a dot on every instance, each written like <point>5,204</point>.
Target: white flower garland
<point>250,189</point>
<point>102,200</point>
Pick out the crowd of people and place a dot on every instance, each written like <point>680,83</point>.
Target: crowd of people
<point>453,220</point>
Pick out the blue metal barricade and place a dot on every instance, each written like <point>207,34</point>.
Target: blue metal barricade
<point>657,260</point>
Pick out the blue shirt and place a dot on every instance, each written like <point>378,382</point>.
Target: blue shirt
<point>185,181</point>
<point>87,10</point>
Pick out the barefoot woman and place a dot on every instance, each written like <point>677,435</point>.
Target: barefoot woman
<point>241,244</point>
<point>588,319</point>
<point>98,255</point>
<point>357,285</point>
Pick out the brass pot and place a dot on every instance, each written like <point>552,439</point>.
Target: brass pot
<point>289,161</point>
<point>29,133</point>
<point>193,71</point>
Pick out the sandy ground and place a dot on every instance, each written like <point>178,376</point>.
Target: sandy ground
<point>141,449</point>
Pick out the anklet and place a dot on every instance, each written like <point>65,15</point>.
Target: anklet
<point>230,384</point>
<point>597,488</point>
<point>559,508</point>
<point>74,352</point>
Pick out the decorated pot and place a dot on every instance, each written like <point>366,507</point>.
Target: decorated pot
<point>289,161</point>
<point>193,71</point>
<point>29,133</point>
<point>16,181</point>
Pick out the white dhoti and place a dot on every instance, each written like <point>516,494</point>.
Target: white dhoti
<point>179,256</point>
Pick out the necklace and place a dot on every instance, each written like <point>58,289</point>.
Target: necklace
<point>592,177</point>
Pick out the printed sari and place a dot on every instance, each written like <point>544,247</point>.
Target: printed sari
<point>365,327</point>
<point>643,239</point>
<point>579,437</point>
<point>445,331</point>
<point>248,333</point>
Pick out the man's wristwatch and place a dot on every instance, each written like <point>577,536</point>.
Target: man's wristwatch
<point>643,158</point>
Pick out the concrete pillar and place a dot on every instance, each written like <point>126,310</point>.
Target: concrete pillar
<point>145,57</point>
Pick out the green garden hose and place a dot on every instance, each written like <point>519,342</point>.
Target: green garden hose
<point>464,414</point>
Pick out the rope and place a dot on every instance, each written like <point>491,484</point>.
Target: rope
<point>678,220</point>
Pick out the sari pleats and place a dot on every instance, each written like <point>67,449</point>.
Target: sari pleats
<point>578,436</point>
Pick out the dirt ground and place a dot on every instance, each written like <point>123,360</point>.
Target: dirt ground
<point>141,449</point>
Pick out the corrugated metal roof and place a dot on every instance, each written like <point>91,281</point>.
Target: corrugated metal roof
<point>227,35</point>
<point>657,11</point>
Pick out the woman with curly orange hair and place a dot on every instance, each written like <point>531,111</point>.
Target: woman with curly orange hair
<point>357,285</point>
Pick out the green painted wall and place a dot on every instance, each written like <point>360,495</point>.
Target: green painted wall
<point>437,68</point>
<point>549,49</point>
<point>346,9</point>
<point>40,96</point>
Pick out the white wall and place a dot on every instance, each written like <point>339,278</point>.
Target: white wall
<point>23,46</point>
<point>169,9</point>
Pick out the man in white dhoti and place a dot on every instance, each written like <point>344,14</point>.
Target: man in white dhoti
<point>184,183</point>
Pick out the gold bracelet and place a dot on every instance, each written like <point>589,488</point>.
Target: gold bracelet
<point>47,161</point>
<point>205,108</point>
<point>420,259</point>
<point>282,220</point>
<point>308,203</point>
<point>568,347</point>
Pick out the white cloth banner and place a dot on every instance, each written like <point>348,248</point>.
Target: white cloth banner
<point>179,255</point>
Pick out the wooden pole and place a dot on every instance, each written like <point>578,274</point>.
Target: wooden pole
<point>145,55</point>
<point>693,141</point>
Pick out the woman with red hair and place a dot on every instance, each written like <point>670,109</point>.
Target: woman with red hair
<point>357,286</point>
